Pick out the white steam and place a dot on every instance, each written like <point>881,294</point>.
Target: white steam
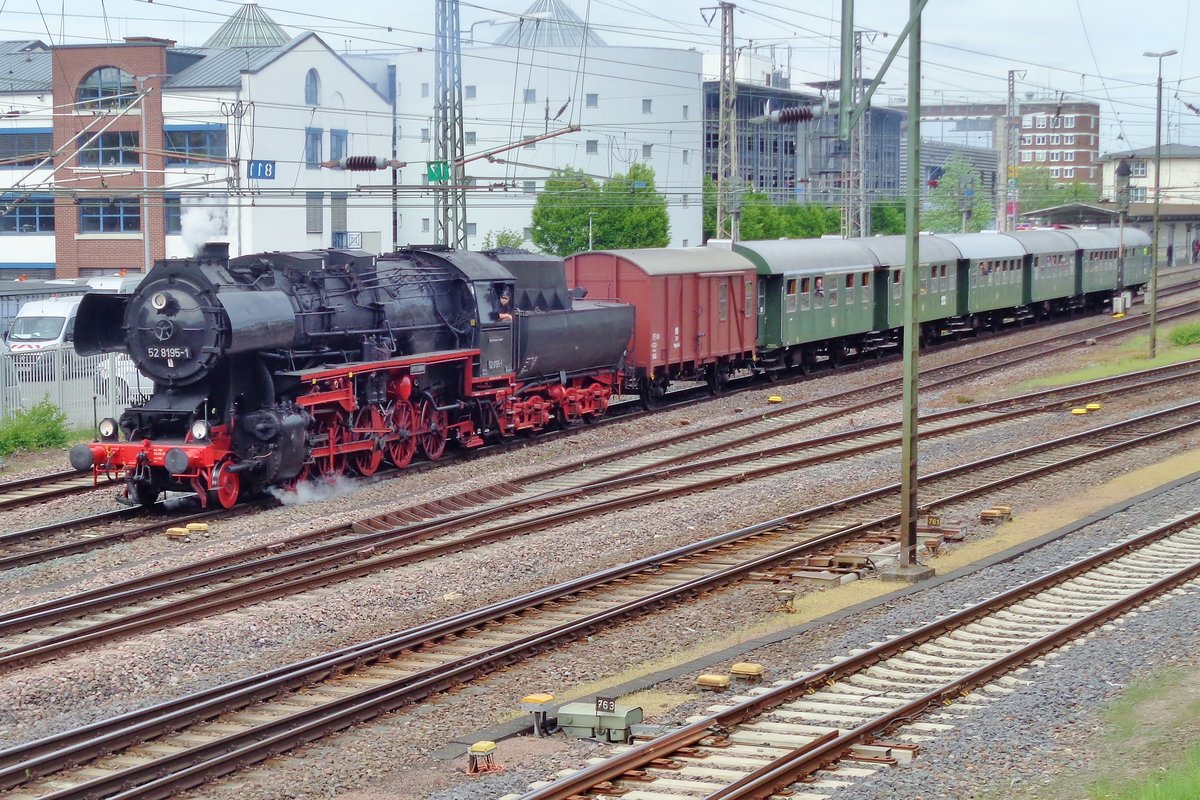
<point>313,491</point>
<point>202,220</point>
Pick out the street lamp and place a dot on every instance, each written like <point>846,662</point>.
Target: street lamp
<point>534,15</point>
<point>1157,199</point>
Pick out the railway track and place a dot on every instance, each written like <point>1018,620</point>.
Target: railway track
<point>872,709</point>
<point>39,489</point>
<point>495,513</point>
<point>160,751</point>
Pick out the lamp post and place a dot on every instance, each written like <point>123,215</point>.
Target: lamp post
<point>1157,199</point>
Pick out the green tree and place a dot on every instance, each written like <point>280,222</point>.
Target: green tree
<point>505,237</point>
<point>626,211</point>
<point>888,218</point>
<point>634,214</point>
<point>560,215</point>
<point>1038,190</point>
<point>943,212</point>
<point>761,219</point>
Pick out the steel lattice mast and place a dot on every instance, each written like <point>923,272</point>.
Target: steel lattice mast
<point>450,200</point>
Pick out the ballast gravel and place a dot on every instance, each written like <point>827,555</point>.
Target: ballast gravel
<point>396,757</point>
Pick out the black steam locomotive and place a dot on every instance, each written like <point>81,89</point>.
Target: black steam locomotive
<point>275,367</point>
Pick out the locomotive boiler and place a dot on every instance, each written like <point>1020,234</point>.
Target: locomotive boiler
<point>275,367</point>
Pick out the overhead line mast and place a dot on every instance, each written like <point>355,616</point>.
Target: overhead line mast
<point>450,201</point>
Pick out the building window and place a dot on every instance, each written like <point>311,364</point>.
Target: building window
<point>527,234</point>
<point>684,243</point>
<point>1026,140</point>
<point>528,187</point>
<point>469,91</point>
<point>27,213</point>
<point>1069,138</point>
<point>685,156</point>
<point>106,87</point>
<point>1027,121</point>
<point>25,148</point>
<point>337,211</point>
<point>592,100</point>
<point>425,225</point>
<point>1069,122</point>
<point>1056,122</point>
<point>1041,155</point>
<point>1068,172</point>
<point>1069,155</point>
<point>337,144</point>
<point>530,95</point>
<point>424,134</point>
<point>469,138</point>
<point>647,151</point>
<point>112,149</point>
<point>1055,155</point>
<point>313,212</point>
<point>424,90</point>
<point>312,88</point>
<point>1054,172</point>
<point>647,106</point>
<point>685,200</point>
<point>1039,139</point>
<point>1026,157</point>
<point>1055,139</point>
<point>186,144</point>
<point>471,228</point>
<point>1040,121</point>
<point>592,147</point>
<point>312,148</point>
<point>1137,194</point>
<point>173,213</point>
<point>1137,169</point>
<point>110,215</point>
<point>685,112</point>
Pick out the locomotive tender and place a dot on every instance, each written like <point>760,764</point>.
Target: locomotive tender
<point>274,367</point>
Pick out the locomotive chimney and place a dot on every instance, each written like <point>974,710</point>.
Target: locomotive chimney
<point>218,251</point>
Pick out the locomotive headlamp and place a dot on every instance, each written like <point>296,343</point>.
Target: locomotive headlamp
<point>108,428</point>
<point>159,300</point>
<point>200,430</point>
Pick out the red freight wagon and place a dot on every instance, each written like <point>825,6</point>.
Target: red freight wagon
<point>695,319</point>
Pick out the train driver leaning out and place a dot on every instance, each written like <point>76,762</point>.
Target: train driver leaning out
<point>504,310</point>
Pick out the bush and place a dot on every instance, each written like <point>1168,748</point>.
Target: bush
<point>44,425</point>
<point>1182,335</point>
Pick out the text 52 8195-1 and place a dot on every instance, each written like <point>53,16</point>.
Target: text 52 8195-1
<point>169,352</point>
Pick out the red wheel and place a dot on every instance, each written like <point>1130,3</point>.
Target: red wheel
<point>369,425</point>
<point>432,436</point>
<point>331,432</point>
<point>226,485</point>
<point>404,422</point>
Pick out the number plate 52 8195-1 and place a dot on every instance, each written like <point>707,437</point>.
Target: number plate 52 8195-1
<point>169,352</point>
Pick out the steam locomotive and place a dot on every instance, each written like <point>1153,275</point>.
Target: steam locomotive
<point>275,367</point>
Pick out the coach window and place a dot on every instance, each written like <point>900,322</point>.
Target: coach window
<point>790,294</point>
<point>897,285</point>
<point>833,291</point>
<point>866,285</point>
<point>849,288</point>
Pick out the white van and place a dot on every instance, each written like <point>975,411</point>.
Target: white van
<point>40,328</point>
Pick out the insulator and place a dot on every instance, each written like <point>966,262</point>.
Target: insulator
<point>363,163</point>
<point>798,114</point>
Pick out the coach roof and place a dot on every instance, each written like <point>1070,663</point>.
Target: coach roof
<point>779,256</point>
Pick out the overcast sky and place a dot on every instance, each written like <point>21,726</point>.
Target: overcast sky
<point>1090,49</point>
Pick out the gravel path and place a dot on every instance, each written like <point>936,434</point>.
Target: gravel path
<point>394,756</point>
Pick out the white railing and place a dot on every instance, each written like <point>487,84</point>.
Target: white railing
<point>86,388</point>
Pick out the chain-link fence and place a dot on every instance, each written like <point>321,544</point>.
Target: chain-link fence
<point>86,388</point>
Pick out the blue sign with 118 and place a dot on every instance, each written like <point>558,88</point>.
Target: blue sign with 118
<point>260,170</point>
